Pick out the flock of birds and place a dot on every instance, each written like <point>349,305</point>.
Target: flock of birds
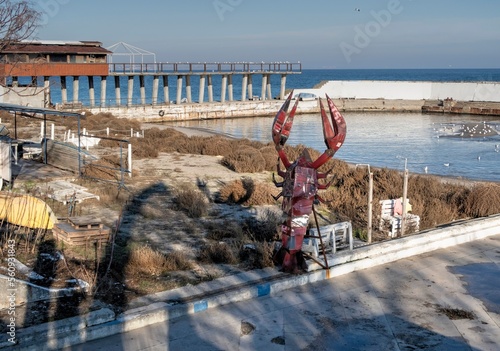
<point>469,130</point>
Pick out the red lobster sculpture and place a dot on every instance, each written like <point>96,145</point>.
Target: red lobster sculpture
<point>300,179</point>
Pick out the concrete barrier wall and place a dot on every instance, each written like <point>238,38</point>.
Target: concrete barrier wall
<point>25,96</point>
<point>179,112</point>
<point>405,90</point>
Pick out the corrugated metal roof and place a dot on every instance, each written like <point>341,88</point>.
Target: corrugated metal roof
<point>43,111</point>
<point>57,47</point>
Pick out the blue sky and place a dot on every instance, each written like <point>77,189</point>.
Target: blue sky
<point>318,33</point>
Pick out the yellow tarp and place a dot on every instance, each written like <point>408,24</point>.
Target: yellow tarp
<point>26,211</point>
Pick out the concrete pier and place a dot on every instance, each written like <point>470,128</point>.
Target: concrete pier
<point>150,74</point>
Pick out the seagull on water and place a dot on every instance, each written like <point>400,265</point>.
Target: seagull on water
<point>446,164</point>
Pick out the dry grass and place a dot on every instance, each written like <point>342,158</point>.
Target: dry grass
<point>146,260</point>
<point>216,252</point>
<point>264,227</point>
<point>434,201</point>
<point>245,159</point>
<point>247,192</point>
<point>483,200</point>
<point>257,255</point>
<point>190,200</point>
<point>227,229</point>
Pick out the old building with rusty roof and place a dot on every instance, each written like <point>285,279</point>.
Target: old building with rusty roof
<point>53,58</point>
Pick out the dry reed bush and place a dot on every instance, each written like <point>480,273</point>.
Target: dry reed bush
<point>151,211</point>
<point>145,260</point>
<point>158,140</point>
<point>248,192</point>
<point>387,184</point>
<point>109,193</point>
<point>262,194</point>
<point>233,192</point>
<point>216,146</point>
<point>257,255</point>
<point>483,200</point>
<point>216,253</point>
<point>109,143</point>
<point>270,156</point>
<point>190,200</point>
<point>177,261</point>
<point>348,194</point>
<point>244,159</point>
<point>227,229</point>
<point>107,167</point>
<point>436,212</point>
<point>264,227</point>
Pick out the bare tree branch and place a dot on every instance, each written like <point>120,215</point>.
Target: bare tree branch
<point>18,21</point>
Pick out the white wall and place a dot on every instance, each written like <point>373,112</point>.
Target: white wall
<point>403,90</point>
<point>24,96</point>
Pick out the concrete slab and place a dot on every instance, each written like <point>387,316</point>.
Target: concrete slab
<point>378,295</point>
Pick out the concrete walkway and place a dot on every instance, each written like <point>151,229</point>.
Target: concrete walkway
<point>447,299</point>
<point>399,293</point>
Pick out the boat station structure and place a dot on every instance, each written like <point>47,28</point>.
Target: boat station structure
<point>32,67</point>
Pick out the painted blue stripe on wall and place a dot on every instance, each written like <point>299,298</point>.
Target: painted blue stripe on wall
<point>200,306</point>
<point>263,290</point>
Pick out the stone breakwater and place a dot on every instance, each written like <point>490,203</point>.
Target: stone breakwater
<point>476,98</point>
<point>217,110</point>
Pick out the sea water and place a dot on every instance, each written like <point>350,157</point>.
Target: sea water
<point>390,140</point>
<point>416,141</point>
<point>307,79</point>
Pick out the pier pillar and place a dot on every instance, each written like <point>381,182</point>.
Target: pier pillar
<point>179,90</point>
<point>166,96</point>
<point>46,96</point>
<point>117,91</point>
<point>244,82</point>
<point>91,90</point>
<point>64,90</point>
<point>230,87</point>
<point>188,89</point>
<point>142,89</point>
<point>76,88</point>
<point>223,87</point>
<point>130,93</point>
<point>154,97</point>
<point>268,88</point>
<point>282,87</point>
<point>103,90</point>
<point>263,88</point>
<point>210,89</point>
<point>250,87</point>
<point>201,95</point>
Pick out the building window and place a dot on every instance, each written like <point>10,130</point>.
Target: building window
<point>58,58</point>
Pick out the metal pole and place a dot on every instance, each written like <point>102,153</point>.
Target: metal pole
<point>130,160</point>
<point>79,150</point>
<point>405,191</point>
<point>370,202</point>
<point>44,136</point>
<point>370,206</point>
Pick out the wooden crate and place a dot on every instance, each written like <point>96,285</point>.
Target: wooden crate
<point>81,231</point>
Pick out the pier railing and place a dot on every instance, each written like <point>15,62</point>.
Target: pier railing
<point>205,67</point>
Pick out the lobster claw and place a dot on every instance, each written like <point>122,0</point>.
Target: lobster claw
<point>283,122</point>
<point>334,132</point>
